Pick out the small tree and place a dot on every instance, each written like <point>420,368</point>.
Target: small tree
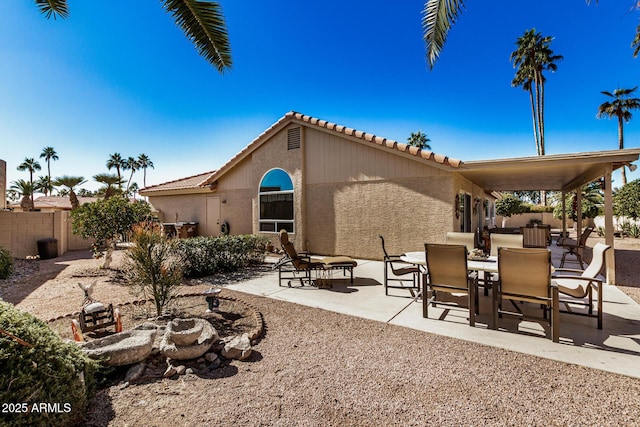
<point>507,206</point>
<point>626,202</point>
<point>155,269</point>
<point>107,219</point>
<point>419,139</point>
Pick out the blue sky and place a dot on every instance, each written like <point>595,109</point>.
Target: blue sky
<point>123,78</point>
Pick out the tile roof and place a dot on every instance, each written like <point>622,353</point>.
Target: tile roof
<point>57,202</point>
<point>201,180</point>
<point>194,181</point>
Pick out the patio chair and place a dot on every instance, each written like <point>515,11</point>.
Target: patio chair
<point>505,241</point>
<point>294,265</point>
<point>399,269</point>
<point>580,284</point>
<point>535,237</point>
<point>458,238</point>
<point>447,272</point>
<point>574,247</point>
<point>525,275</point>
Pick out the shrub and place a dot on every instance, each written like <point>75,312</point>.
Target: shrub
<point>6,263</point>
<point>204,256</point>
<point>154,265</point>
<point>53,373</point>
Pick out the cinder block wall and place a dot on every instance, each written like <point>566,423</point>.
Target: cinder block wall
<point>20,231</point>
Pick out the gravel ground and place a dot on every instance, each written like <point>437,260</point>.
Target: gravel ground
<point>314,367</point>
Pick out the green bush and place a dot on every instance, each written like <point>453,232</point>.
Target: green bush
<point>6,263</point>
<point>154,268</point>
<point>204,256</point>
<point>50,384</point>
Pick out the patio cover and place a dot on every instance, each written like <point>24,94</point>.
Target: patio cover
<point>557,172</point>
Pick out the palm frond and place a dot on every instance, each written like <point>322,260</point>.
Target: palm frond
<point>438,17</point>
<point>203,23</point>
<point>53,8</point>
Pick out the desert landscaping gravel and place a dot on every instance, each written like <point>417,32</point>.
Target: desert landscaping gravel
<point>318,368</point>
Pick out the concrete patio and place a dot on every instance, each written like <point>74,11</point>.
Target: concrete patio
<point>615,348</point>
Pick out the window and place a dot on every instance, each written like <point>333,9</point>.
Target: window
<point>276,202</point>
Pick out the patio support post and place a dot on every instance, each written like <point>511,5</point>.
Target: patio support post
<point>608,226</point>
<point>564,214</point>
<point>578,211</point>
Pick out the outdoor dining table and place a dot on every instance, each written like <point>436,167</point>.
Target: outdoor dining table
<point>490,265</point>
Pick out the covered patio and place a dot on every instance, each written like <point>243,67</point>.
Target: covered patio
<point>559,172</point>
<point>615,348</point>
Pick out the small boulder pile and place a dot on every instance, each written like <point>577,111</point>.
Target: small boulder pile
<point>181,343</point>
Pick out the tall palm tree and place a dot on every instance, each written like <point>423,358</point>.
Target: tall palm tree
<point>109,181</point>
<point>116,161</point>
<point>44,184</point>
<point>24,190</point>
<point>144,162</point>
<point>438,16</point>
<point>31,165</point>
<point>201,21</point>
<point>419,139</point>
<point>49,153</point>
<point>533,56</point>
<point>131,164</point>
<point>70,182</point>
<point>620,106</point>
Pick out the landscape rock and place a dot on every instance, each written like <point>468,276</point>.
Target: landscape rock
<point>123,348</point>
<point>135,372</point>
<point>239,348</point>
<point>207,335</point>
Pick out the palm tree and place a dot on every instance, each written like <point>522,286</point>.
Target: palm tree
<point>70,182</point>
<point>531,58</point>
<point>438,16</point>
<point>116,161</point>
<point>44,184</point>
<point>144,162</point>
<point>419,139</point>
<point>31,165</point>
<point>25,190</point>
<point>619,107</point>
<point>109,181</point>
<point>49,153</point>
<point>131,164</point>
<point>202,22</point>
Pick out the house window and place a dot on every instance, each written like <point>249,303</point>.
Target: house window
<point>276,202</point>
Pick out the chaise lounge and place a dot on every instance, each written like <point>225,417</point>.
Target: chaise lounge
<point>298,266</point>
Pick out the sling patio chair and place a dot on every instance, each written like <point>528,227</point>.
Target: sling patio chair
<point>399,269</point>
<point>298,266</point>
<point>580,284</point>
<point>505,241</point>
<point>525,276</point>
<point>574,247</point>
<point>447,272</point>
<point>459,238</point>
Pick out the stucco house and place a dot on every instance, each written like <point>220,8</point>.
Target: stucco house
<point>335,189</point>
<point>53,203</point>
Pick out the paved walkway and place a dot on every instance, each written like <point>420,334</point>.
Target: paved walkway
<point>615,348</point>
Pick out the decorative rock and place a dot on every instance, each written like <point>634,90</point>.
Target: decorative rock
<point>239,347</point>
<point>210,357</point>
<point>124,348</point>
<point>135,372</point>
<point>171,371</point>
<point>180,370</point>
<point>202,343</point>
<point>189,371</point>
<point>185,332</point>
<point>215,365</point>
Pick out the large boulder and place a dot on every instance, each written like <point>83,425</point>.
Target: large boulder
<point>238,347</point>
<point>124,348</point>
<point>197,332</point>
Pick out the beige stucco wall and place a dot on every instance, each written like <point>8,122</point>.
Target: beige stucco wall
<point>19,232</point>
<point>187,207</point>
<point>522,220</point>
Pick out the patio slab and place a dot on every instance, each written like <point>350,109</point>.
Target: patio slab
<point>615,348</point>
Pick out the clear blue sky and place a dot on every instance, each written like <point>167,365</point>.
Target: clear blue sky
<point>121,77</point>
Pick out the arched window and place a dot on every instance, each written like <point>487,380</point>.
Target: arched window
<point>276,202</point>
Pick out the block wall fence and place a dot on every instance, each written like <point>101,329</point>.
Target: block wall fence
<point>20,231</point>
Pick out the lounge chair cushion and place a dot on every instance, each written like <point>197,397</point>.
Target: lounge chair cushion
<point>338,260</point>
